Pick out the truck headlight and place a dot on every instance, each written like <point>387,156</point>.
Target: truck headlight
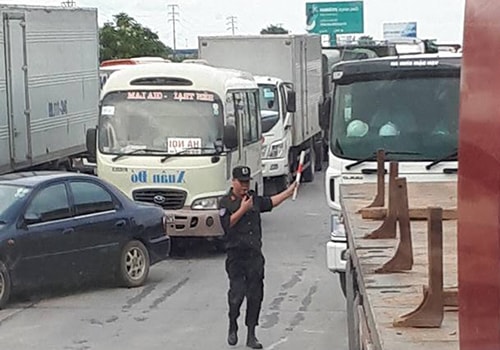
<point>276,150</point>
<point>210,203</point>
<point>337,232</point>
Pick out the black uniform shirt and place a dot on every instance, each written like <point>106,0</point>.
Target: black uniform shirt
<point>247,233</point>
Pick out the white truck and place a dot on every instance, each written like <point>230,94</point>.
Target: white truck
<point>49,85</point>
<point>405,105</point>
<point>288,70</point>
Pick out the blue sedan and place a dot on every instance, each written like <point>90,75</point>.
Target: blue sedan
<point>64,227</point>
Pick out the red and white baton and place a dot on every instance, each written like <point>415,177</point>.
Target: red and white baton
<point>299,173</point>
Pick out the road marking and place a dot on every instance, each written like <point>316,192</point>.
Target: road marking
<point>281,341</point>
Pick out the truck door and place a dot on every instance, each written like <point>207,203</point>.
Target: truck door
<point>14,26</point>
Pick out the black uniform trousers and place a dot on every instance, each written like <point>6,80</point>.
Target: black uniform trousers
<point>245,269</point>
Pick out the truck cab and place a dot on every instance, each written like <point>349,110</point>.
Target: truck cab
<point>277,105</point>
<point>405,105</point>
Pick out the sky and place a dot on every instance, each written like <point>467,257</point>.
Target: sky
<point>436,19</point>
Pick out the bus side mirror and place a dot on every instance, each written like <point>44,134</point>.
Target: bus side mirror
<point>291,103</point>
<point>92,144</point>
<point>230,137</point>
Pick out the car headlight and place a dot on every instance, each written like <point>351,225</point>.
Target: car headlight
<point>276,149</point>
<point>206,203</point>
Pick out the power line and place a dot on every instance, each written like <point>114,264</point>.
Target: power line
<point>173,14</point>
<point>231,23</point>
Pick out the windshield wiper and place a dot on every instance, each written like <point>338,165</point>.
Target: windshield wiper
<point>145,150</point>
<point>451,156</point>
<point>374,157</point>
<point>187,150</point>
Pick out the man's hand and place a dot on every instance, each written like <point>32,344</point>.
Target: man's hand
<point>291,188</point>
<point>246,203</point>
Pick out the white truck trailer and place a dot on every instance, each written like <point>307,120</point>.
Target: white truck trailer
<point>289,74</point>
<point>49,85</point>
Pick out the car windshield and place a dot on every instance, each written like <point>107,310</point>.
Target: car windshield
<point>9,196</point>
<point>418,116</point>
<point>269,105</point>
<point>168,121</point>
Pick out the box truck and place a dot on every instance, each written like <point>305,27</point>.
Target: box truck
<point>49,85</point>
<point>288,70</point>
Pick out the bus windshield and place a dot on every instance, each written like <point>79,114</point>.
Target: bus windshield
<point>417,116</point>
<point>168,121</point>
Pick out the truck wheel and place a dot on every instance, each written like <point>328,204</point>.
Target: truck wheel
<point>134,264</point>
<point>318,164</point>
<point>282,183</point>
<point>308,174</point>
<point>5,285</point>
<point>343,283</point>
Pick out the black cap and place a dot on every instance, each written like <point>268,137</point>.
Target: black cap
<point>242,173</point>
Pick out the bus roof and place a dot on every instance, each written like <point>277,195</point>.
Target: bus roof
<point>179,76</point>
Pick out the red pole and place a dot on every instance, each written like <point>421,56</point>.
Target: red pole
<point>479,179</point>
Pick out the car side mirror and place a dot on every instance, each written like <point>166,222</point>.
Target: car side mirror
<point>230,137</point>
<point>32,218</point>
<point>291,101</point>
<point>92,144</point>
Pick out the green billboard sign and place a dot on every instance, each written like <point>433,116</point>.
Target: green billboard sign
<point>342,17</point>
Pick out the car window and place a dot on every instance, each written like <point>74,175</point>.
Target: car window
<point>91,198</point>
<point>50,204</point>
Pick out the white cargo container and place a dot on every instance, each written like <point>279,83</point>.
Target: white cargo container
<point>49,85</point>
<point>283,63</point>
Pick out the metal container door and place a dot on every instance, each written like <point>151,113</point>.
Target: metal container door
<point>17,87</point>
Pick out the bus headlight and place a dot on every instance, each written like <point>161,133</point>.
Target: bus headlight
<point>210,203</point>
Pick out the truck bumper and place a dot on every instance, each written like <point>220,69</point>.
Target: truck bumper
<point>193,223</point>
<point>336,256</point>
<point>274,167</point>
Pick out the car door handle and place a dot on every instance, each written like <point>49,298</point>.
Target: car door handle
<point>120,223</point>
<point>68,231</point>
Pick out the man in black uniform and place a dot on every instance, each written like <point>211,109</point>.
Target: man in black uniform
<point>240,218</point>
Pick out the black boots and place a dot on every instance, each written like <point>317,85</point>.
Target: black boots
<point>252,341</point>
<point>232,336</point>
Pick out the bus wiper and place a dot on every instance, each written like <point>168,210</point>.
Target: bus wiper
<point>451,156</point>
<point>145,150</point>
<point>374,157</point>
<point>186,150</point>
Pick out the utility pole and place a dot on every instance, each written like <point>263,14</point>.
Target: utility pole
<point>231,22</point>
<point>68,3</point>
<point>173,18</point>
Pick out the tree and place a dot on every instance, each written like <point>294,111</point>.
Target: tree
<point>366,40</point>
<point>274,29</point>
<point>126,38</point>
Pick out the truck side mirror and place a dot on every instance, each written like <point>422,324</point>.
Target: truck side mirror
<point>325,113</point>
<point>92,144</point>
<point>230,137</point>
<point>291,101</point>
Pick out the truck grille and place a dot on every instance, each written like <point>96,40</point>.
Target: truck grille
<point>168,199</point>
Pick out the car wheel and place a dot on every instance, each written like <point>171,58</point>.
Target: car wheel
<point>134,264</point>
<point>5,285</point>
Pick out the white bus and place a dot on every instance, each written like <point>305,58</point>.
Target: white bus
<point>170,134</point>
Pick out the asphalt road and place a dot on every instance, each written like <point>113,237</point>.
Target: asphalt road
<point>183,305</point>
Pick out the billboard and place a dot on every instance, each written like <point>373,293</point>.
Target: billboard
<point>400,30</point>
<point>342,17</point>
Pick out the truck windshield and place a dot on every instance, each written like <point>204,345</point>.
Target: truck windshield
<point>418,116</point>
<point>269,106</point>
<point>170,121</point>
